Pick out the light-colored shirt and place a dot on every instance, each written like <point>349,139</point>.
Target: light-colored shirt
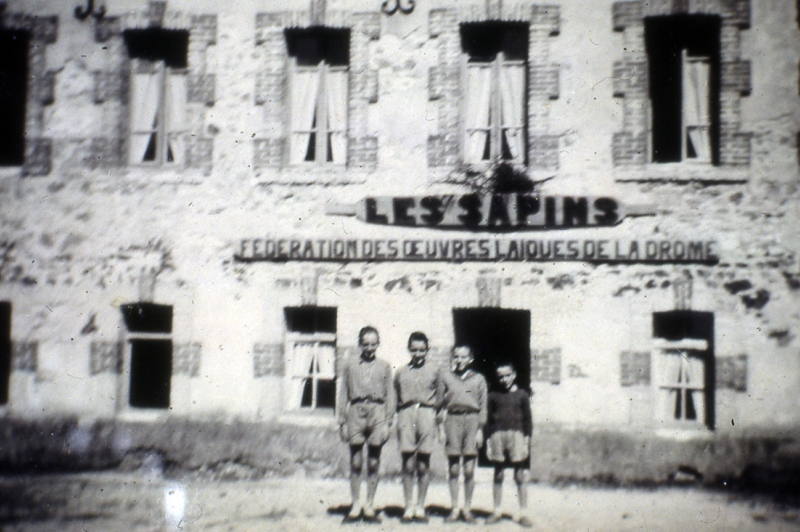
<point>464,393</point>
<point>364,380</point>
<point>417,384</point>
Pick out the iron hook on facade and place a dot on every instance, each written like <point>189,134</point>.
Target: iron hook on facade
<point>83,14</point>
<point>397,5</point>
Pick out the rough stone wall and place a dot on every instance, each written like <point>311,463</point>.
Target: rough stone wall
<point>92,232</point>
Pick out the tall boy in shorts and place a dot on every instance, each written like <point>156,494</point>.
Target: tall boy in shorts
<point>463,393</point>
<point>365,406</point>
<point>508,434</point>
<point>416,386</point>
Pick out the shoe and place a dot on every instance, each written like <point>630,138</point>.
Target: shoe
<point>453,517</point>
<point>370,516</point>
<point>469,518</point>
<point>524,522</point>
<point>408,516</point>
<point>353,516</point>
<point>420,516</point>
<point>494,518</point>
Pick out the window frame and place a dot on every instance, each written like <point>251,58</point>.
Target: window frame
<point>290,343</point>
<point>162,129</point>
<point>665,386</point>
<point>322,143</point>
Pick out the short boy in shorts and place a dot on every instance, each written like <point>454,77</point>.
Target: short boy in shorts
<point>463,393</point>
<point>416,386</point>
<point>508,432</point>
<point>365,407</point>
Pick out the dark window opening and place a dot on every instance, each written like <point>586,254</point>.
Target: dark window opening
<point>312,46</point>
<point>13,95</point>
<point>147,318</point>
<point>482,41</point>
<point>496,336</point>
<point>5,350</point>
<point>151,373</point>
<point>680,48</point>
<point>686,324</point>
<point>156,44</point>
<point>311,320</point>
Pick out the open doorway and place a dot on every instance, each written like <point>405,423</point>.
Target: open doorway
<point>497,336</point>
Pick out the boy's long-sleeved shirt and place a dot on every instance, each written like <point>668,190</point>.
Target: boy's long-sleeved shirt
<point>364,379</point>
<point>509,411</point>
<point>417,384</point>
<point>464,393</point>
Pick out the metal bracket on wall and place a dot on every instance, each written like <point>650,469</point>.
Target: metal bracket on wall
<point>397,5</point>
<point>83,14</point>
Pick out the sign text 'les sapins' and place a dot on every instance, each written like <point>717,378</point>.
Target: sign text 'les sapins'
<point>492,212</point>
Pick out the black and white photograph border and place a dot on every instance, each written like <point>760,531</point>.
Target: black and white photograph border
<point>302,289</point>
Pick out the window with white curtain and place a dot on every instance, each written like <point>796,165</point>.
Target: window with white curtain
<point>681,379</point>
<point>157,96</point>
<point>683,69</point>
<point>495,110</point>
<point>318,79</point>
<point>310,359</point>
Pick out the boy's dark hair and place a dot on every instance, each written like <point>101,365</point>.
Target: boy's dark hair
<point>464,346</point>
<point>366,330</point>
<point>417,336</point>
<point>506,365</point>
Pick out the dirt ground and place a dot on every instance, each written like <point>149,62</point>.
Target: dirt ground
<point>141,502</point>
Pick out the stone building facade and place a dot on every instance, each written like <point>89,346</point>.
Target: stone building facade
<point>171,254</point>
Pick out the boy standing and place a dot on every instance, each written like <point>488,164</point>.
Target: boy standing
<point>365,405</point>
<point>463,393</point>
<point>416,386</point>
<point>509,436</point>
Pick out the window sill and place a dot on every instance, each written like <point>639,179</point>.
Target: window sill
<point>148,415</point>
<point>682,172</point>
<point>8,172</point>
<point>681,432</point>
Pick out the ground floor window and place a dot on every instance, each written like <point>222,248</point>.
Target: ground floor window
<point>310,352</point>
<point>5,350</point>
<point>684,366</point>
<point>150,364</point>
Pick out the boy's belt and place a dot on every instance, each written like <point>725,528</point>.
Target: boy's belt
<point>366,400</point>
<point>418,405</point>
<point>461,412</point>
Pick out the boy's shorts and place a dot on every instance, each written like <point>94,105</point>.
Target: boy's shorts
<point>507,441</point>
<point>367,423</point>
<point>416,429</point>
<point>460,430</point>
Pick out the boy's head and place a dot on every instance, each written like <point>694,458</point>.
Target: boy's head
<point>368,341</point>
<point>462,358</point>
<point>506,376</point>
<point>418,347</point>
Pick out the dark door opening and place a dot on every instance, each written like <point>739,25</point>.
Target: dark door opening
<point>679,325</point>
<point>496,336</point>
<point>13,95</point>
<point>151,373</point>
<point>5,350</point>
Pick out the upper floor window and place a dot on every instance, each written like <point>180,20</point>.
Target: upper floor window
<point>684,68</point>
<point>13,95</point>
<point>310,358</point>
<point>319,60</point>
<point>157,95</point>
<point>495,109</point>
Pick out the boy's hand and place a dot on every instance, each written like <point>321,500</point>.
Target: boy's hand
<point>479,438</point>
<point>441,434</point>
<point>344,433</point>
<point>527,441</point>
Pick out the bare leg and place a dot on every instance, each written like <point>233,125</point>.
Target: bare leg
<point>423,470</point>
<point>520,477</point>
<point>497,489</point>
<point>453,472</point>
<point>373,466</point>
<point>356,462</point>
<point>409,466</point>
<point>469,482</point>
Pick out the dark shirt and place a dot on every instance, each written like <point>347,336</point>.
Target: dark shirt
<point>509,411</point>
